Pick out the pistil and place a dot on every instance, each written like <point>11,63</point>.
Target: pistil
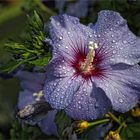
<point>86,66</point>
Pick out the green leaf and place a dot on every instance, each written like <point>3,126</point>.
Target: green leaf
<point>131,131</point>
<point>62,121</point>
<point>10,66</point>
<point>30,48</point>
<point>41,61</point>
<point>15,45</point>
<point>135,127</point>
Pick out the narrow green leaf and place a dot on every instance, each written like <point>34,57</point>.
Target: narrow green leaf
<point>11,66</point>
<point>41,61</point>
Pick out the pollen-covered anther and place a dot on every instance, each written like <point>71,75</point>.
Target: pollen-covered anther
<point>87,66</point>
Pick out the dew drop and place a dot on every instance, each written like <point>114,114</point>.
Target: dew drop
<point>95,35</point>
<point>121,100</point>
<point>124,41</point>
<point>60,37</point>
<point>113,41</point>
<point>114,52</point>
<point>90,35</point>
<point>79,102</point>
<point>112,35</point>
<point>118,22</point>
<point>57,23</point>
<point>79,107</point>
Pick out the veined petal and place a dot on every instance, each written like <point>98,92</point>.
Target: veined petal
<point>122,86</point>
<point>59,67</point>
<point>88,103</point>
<point>59,91</point>
<point>117,44</point>
<point>68,35</point>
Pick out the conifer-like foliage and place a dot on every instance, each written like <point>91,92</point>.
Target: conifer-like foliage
<point>30,47</point>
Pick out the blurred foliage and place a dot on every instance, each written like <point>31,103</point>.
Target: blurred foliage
<point>26,132</point>
<point>29,47</point>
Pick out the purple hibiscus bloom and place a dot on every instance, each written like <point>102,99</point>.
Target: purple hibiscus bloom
<point>32,85</point>
<point>93,67</point>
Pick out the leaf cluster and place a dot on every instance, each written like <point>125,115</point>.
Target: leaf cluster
<point>31,47</point>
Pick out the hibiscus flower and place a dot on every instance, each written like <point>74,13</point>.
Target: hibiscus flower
<point>93,68</point>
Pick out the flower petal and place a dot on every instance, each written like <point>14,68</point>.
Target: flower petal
<point>86,107</point>
<point>68,35</point>
<point>48,125</point>
<point>122,86</point>
<point>58,67</point>
<point>31,76</point>
<point>59,91</point>
<point>116,42</point>
<point>33,87</point>
<point>25,98</point>
<point>31,81</point>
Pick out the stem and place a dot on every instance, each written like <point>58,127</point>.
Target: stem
<point>121,126</point>
<point>116,119</point>
<point>98,122</point>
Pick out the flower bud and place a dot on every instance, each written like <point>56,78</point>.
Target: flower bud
<point>113,135</point>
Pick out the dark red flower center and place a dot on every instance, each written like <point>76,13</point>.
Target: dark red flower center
<point>87,64</point>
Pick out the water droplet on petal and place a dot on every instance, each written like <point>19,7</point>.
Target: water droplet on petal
<point>112,35</point>
<point>60,37</point>
<point>79,107</point>
<point>90,35</point>
<point>114,52</point>
<point>113,41</point>
<point>58,23</point>
<point>79,102</point>
<point>124,41</point>
<point>121,100</point>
